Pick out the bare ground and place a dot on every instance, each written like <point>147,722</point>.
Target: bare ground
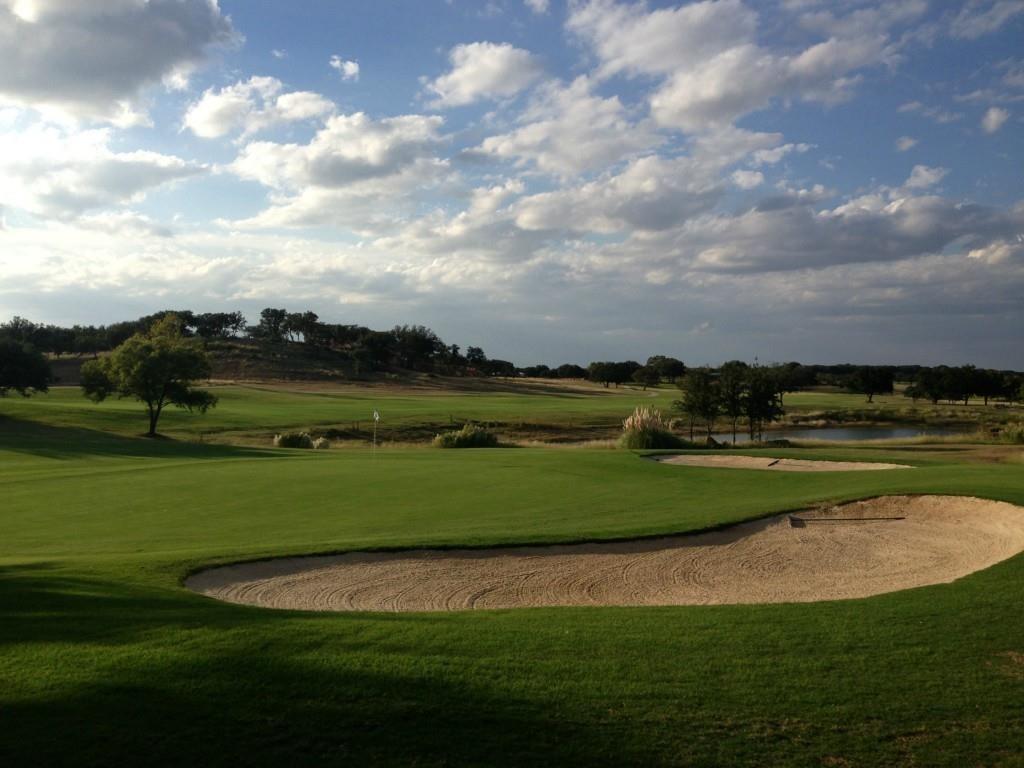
<point>850,551</point>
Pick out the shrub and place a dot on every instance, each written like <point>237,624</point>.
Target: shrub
<point>321,444</point>
<point>645,429</point>
<point>293,440</point>
<point>470,436</point>
<point>1013,434</point>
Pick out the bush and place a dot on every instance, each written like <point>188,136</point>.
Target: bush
<point>293,440</point>
<point>321,444</point>
<point>1013,434</point>
<point>645,429</point>
<point>470,436</point>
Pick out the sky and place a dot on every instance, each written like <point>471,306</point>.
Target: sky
<point>553,181</point>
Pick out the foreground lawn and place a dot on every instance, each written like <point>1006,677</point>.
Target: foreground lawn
<point>104,658</point>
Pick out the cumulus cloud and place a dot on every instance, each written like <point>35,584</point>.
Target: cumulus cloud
<point>252,106</point>
<point>650,194</point>
<point>351,165</point>
<point>868,229</point>
<point>903,143</point>
<point>349,70</point>
<point>747,179</point>
<point>993,119</point>
<point>922,177</point>
<point>537,6</point>
<point>567,130</point>
<point>484,71</point>
<point>92,60</point>
<point>714,69</point>
<point>59,174</point>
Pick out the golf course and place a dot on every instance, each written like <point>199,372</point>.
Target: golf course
<point>106,651</point>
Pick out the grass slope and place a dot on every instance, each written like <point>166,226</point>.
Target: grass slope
<point>104,658</point>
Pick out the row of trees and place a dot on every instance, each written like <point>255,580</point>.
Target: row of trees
<point>736,391</point>
<point>964,382</point>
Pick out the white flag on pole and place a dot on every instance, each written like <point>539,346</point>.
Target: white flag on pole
<point>376,415</point>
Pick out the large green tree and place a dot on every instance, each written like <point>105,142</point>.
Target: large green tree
<point>158,367</point>
<point>22,368</point>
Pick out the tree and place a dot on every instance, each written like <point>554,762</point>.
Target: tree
<point>668,368</point>
<point>762,403</point>
<point>871,380</point>
<point>571,371</point>
<point>646,376</point>
<point>157,367</point>
<point>732,388</point>
<point>700,398</point>
<point>271,326</point>
<point>22,369</point>
<point>601,372</point>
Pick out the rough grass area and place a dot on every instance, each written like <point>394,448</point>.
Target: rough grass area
<point>101,646</point>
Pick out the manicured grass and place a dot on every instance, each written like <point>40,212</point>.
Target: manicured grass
<point>106,659</point>
<point>249,408</point>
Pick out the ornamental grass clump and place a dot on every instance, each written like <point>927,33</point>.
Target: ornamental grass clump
<point>645,429</point>
<point>470,436</point>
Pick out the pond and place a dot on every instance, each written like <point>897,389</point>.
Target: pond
<point>845,433</point>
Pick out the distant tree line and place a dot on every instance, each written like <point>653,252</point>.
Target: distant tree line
<point>418,348</point>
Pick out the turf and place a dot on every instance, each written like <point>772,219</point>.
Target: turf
<point>246,408</point>
<point>106,659</point>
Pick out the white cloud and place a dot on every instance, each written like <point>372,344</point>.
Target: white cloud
<point>903,143</point>
<point>537,6</point>
<point>92,60</point>
<point>279,53</point>
<point>484,71</point>
<point>922,177</point>
<point>748,179</point>
<point>568,130</point>
<point>998,252</point>
<point>352,170</point>
<point>349,70</point>
<point>628,39</point>
<point>983,17</point>
<point>937,114</point>
<point>714,69</point>
<point>993,119</point>
<point>60,174</point>
<point>252,106</point>
<point>776,154</point>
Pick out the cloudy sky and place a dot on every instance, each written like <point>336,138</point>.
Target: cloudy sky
<point>554,181</point>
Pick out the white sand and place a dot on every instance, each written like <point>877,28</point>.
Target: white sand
<point>939,539</point>
<point>778,465</point>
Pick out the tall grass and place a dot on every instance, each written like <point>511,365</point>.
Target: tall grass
<point>645,429</point>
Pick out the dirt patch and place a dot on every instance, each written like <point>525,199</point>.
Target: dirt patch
<point>777,465</point>
<point>849,551</point>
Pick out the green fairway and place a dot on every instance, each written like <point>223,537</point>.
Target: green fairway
<point>100,641</point>
<point>248,408</point>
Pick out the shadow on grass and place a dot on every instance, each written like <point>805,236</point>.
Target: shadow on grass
<point>138,675</point>
<point>58,442</point>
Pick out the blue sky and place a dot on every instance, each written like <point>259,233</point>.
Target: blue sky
<point>554,181</point>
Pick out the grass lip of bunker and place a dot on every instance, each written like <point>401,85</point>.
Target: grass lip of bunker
<point>891,543</point>
<point>720,461</point>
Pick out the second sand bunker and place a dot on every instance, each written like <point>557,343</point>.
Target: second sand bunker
<point>725,461</point>
<point>850,551</point>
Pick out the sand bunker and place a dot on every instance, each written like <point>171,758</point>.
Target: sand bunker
<point>779,465</point>
<point>854,550</point>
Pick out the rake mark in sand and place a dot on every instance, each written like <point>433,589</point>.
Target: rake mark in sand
<point>898,542</point>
